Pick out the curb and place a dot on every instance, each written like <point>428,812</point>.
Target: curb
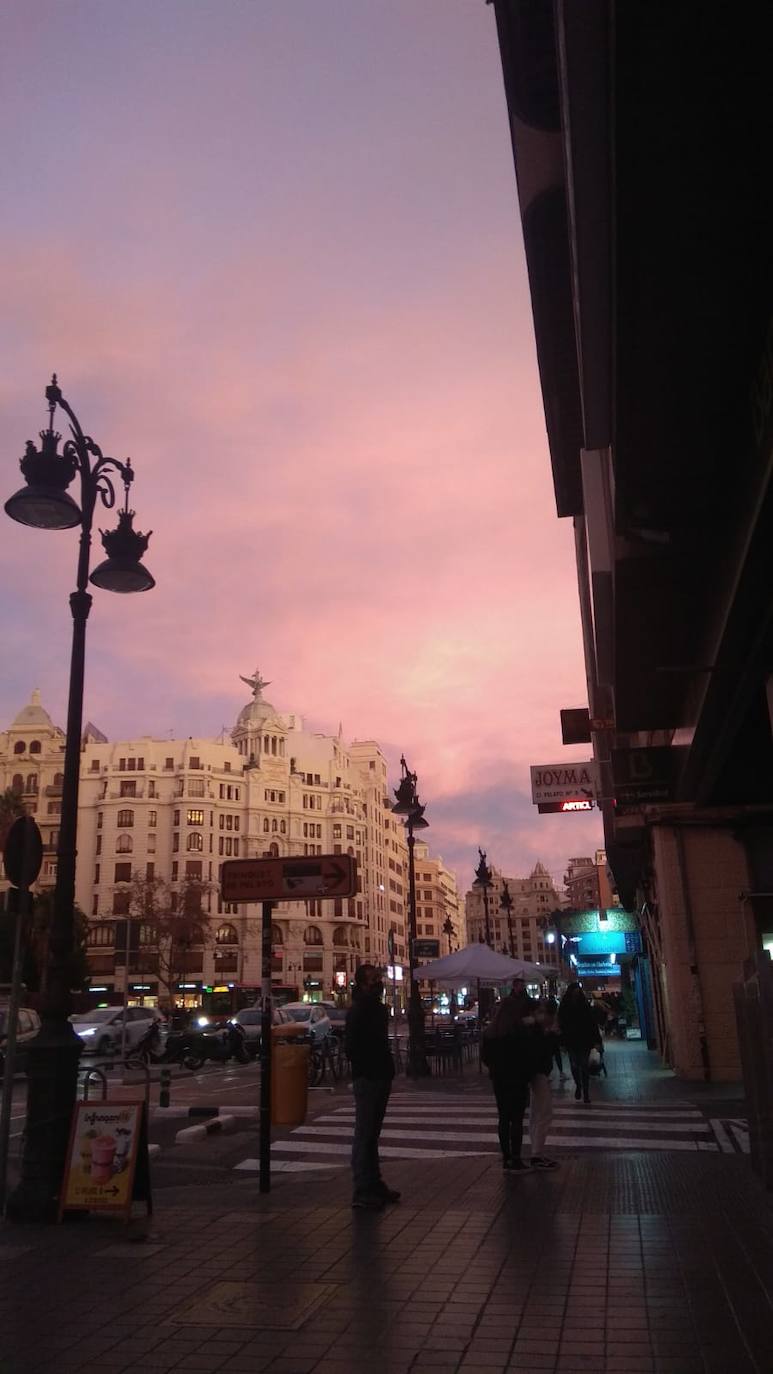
<point>172,1113</point>
<point>216,1125</point>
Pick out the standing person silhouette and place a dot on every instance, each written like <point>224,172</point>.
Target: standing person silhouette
<point>579,1033</point>
<point>506,1050</point>
<point>366,1037</point>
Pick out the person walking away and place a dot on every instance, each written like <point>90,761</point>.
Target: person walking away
<point>580,1034</point>
<point>552,1007</point>
<point>544,1046</point>
<point>366,1038</point>
<point>506,1052</point>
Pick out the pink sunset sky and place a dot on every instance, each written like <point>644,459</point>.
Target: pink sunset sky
<point>273,252</point>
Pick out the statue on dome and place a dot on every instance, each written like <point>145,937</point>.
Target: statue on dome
<point>256,682</point>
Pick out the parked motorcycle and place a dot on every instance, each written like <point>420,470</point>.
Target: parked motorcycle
<point>151,1048</point>
<point>218,1043</point>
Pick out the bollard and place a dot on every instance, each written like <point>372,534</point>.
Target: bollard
<point>164,1088</point>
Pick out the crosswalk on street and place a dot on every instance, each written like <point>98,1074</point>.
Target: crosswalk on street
<point>435,1126</point>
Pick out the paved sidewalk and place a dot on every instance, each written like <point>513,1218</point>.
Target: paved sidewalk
<point>618,1263</point>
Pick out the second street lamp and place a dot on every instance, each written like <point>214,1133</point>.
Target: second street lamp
<point>506,903</point>
<point>484,881</point>
<point>45,503</point>
<point>409,806</point>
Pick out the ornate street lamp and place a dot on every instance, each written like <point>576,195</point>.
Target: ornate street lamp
<point>409,806</point>
<point>506,903</point>
<point>45,503</point>
<point>483,882</point>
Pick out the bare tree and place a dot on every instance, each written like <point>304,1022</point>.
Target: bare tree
<point>170,924</point>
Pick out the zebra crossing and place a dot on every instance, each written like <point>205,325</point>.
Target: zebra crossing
<point>436,1126</point>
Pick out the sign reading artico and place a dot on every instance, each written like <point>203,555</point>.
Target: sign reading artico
<point>558,782</point>
<point>261,880</point>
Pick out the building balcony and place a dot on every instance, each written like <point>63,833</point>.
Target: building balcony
<point>53,789</point>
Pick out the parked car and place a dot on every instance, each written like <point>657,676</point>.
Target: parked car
<point>310,1014</point>
<point>101,1029</point>
<point>27,1026</point>
<point>250,1019</point>
<point>336,1014</point>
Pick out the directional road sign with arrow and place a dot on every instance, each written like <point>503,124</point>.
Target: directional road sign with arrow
<point>264,880</point>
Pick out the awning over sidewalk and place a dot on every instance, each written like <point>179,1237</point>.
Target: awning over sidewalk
<point>480,961</point>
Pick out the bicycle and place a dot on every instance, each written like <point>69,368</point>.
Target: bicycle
<point>328,1054</point>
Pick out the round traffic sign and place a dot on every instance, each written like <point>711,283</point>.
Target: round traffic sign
<point>23,852</point>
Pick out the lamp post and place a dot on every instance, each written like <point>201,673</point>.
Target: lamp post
<point>409,806</point>
<point>506,903</point>
<point>484,881</point>
<point>44,503</point>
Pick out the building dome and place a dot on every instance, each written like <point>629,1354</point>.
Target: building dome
<point>33,716</point>
<point>258,711</point>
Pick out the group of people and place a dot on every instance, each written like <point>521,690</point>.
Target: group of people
<point>519,1048</point>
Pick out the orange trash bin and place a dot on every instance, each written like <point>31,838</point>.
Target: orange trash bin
<point>289,1074</point>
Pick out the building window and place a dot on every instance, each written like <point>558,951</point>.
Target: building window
<point>35,746</point>
<point>32,782</point>
<point>127,788</point>
<point>175,842</point>
<point>337,832</point>
<point>124,844</point>
<point>151,843</point>
<point>54,808</point>
<point>312,935</point>
<point>266,825</point>
<point>18,783</point>
<point>194,762</point>
<point>125,820</point>
<point>168,763</point>
<point>227,935</point>
<point>123,873</point>
<point>121,903</point>
<point>99,844</point>
<point>18,748</point>
<point>96,873</point>
<point>100,937</point>
<point>195,817</point>
<point>195,842</point>
<point>152,819</point>
<point>195,787</point>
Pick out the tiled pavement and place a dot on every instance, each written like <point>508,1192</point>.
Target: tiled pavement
<point>621,1262</point>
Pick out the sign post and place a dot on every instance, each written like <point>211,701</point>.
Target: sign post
<point>259,880</point>
<point>266,1019</point>
<point>268,880</point>
<point>22,857</point>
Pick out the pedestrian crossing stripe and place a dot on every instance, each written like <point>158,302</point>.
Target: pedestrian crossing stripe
<point>687,1128</point>
<point>491,1138</point>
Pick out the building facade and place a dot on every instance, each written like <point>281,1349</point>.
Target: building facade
<point>534,898</point>
<point>659,418</point>
<point>168,812</point>
<point>438,904</point>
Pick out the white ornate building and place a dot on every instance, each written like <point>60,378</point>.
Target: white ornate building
<point>176,808</point>
<point>533,899</point>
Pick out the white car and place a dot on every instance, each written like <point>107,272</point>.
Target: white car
<point>101,1030</point>
<point>310,1014</point>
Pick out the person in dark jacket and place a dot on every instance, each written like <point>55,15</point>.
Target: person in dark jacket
<point>366,1037</point>
<point>506,1050</point>
<point>579,1033</point>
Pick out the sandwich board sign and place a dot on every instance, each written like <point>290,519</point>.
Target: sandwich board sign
<point>107,1165</point>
